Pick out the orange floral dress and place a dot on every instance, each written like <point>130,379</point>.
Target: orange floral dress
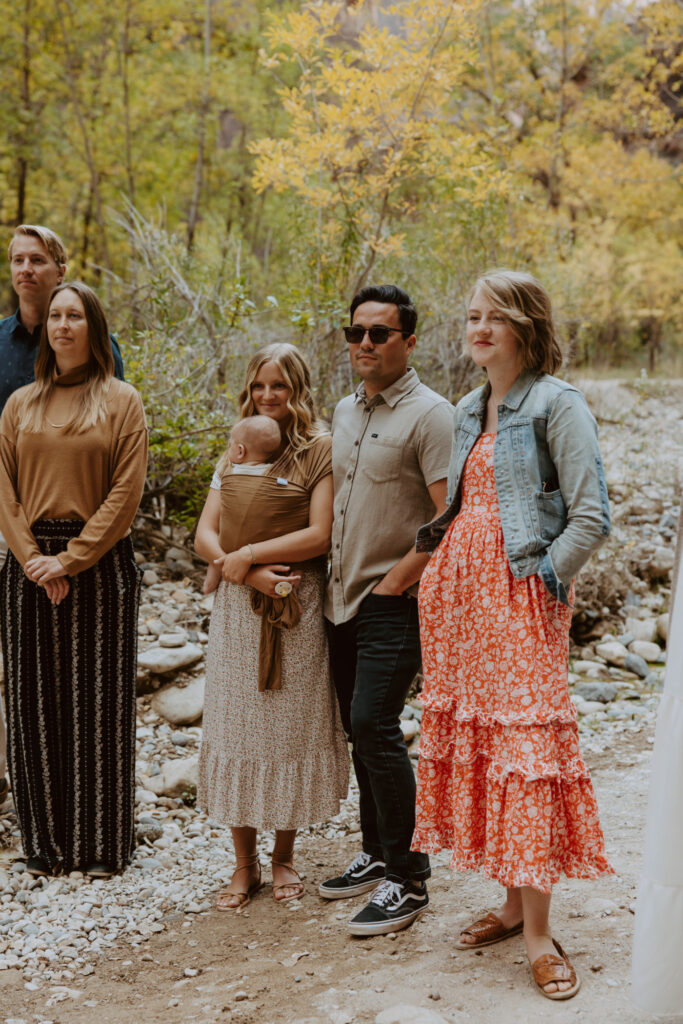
<point>501,781</point>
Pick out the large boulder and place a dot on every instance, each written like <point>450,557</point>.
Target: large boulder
<point>180,705</point>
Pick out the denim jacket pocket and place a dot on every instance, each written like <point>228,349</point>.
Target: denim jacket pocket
<point>382,459</point>
<point>552,514</point>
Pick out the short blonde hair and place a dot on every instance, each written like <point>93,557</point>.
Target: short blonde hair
<point>526,306</point>
<point>50,240</point>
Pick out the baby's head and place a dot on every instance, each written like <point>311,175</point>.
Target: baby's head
<point>254,439</point>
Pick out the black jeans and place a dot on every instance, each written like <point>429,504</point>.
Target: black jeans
<point>375,657</point>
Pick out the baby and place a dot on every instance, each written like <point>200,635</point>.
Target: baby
<point>253,442</point>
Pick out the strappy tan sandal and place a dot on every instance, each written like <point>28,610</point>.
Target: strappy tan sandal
<point>487,931</point>
<point>296,883</point>
<point>549,968</point>
<point>239,900</point>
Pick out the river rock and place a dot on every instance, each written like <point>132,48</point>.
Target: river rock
<point>613,652</point>
<point>206,603</point>
<point>592,669</point>
<point>647,651</point>
<point>641,629</point>
<point>177,777</point>
<point>173,639</point>
<point>149,577</point>
<point>660,564</point>
<point>663,626</point>
<point>180,705</point>
<point>634,663</point>
<point>169,659</point>
<point>597,691</point>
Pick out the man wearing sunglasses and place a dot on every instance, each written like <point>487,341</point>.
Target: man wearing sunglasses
<point>391,444</point>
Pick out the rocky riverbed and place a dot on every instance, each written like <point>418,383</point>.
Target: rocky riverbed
<point>55,933</point>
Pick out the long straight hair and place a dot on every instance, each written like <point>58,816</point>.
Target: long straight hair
<point>92,405</point>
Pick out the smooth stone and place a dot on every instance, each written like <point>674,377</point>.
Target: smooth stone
<point>149,577</point>
<point>634,663</point>
<point>177,777</point>
<point>206,603</point>
<point>145,796</point>
<point>156,626</point>
<point>173,639</point>
<point>589,707</point>
<point>645,650</point>
<point>612,651</point>
<point>181,739</point>
<point>169,659</point>
<point>180,705</point>
<point>641,629</point>
<point>170,616</point>
<point>602,692</point>
<point>592,669</point>
<point>150,864</point>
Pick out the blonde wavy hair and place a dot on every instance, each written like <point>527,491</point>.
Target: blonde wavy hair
<point>526,306</point>
<point>304,427</point>
<point>92,406</point>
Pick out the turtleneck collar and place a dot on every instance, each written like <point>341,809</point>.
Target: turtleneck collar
<point>77,375</point>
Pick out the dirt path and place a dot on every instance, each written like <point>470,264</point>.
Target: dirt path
<point>296,965</point>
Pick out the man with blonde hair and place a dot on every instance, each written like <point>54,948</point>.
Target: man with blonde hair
<point>38,264</point>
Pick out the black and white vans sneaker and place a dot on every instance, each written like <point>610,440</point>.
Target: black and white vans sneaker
<point>362,875</point>
<point>394,905</point>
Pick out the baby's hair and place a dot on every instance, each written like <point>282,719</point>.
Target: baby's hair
<point>258,432</point>
<point>526,306</point>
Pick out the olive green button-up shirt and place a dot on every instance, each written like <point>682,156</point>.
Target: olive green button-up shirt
<point>386,452</point>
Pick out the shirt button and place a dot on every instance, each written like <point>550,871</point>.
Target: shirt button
<point>336,579</point>
<point>349,476</point>
<point>356,443</point>
<point>337,547</point>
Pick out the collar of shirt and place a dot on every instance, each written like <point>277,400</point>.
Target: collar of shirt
<point>15,327</point>
<point>391,395</point>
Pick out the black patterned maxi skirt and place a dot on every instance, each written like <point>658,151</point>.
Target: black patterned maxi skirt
<point>70,674</point>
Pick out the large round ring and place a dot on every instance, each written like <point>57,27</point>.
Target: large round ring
<point>283,589</point>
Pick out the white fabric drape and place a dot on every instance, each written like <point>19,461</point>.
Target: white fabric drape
<point>658,939</point>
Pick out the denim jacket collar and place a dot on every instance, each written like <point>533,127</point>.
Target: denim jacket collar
<point>512,400</point>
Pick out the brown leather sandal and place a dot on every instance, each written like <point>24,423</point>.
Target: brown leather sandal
<point>295,883</point>
<point>549,968</point>
<point>241,898</point>
<point>487,931</point>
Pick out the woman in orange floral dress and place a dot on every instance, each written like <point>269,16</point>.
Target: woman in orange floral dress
<point>501,780</point>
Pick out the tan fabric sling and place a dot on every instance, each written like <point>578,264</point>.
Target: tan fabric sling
<point>258,508</point>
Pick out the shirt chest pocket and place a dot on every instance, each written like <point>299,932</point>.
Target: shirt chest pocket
<point>382,458</point>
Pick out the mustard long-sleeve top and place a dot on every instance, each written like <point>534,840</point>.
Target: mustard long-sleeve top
<point>97,475</point>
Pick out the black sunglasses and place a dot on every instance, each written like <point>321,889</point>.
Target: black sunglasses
<point>378,333</point>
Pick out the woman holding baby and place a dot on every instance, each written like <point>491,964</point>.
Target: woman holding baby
<point>273,751</point>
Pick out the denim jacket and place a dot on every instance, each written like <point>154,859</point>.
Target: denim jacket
<point>549,478</point>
